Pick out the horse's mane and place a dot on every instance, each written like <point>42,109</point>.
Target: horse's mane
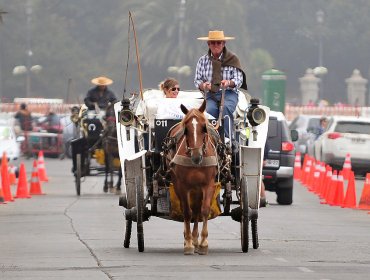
<point>192,113</point>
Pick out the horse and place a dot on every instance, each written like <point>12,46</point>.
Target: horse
<point>110,147</point>
<point>193,168</point>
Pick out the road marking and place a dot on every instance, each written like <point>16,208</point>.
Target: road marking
<point>304,269</point>
<point>266,251</point>
<point>281,259</point>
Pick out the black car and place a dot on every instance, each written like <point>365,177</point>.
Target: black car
<point>279,162</point>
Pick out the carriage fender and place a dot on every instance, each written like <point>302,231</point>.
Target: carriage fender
<point>136,155</point>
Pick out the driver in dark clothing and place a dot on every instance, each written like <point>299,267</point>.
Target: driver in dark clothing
<point>100,95</point>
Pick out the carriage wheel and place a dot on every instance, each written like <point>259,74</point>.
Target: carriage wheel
<point>78,174</point>
<point>244,222</point>
<point>254,233</point>
<point>140,213</point>
<point>126,242</point>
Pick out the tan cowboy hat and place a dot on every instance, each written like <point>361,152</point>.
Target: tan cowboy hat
<point>216,35</point>
<point>102,81</point>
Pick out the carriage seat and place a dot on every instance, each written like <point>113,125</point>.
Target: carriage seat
<point>156,106</point>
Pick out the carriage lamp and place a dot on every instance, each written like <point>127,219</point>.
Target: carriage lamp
<point>126,116</point>
<point>255,115</point>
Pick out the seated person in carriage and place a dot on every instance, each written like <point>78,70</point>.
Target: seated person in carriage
<point>218,69</point>
<point>100,96</point>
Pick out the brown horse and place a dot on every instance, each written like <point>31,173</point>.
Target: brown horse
<point>193,169</point>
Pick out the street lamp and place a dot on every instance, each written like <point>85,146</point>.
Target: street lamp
<point>320,20</point>
<point>320,70</point>
<point>22,69</point>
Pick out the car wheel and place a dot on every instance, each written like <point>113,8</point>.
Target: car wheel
<point>284,192</point>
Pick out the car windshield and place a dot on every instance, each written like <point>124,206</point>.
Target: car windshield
<point>353,127</point>
<point>5,133</point>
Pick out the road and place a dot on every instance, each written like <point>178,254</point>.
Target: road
<point>61,236</point>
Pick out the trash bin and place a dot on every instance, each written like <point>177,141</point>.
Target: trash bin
<point>273,83</point>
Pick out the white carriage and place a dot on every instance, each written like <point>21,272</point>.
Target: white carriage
<point>147,192</point>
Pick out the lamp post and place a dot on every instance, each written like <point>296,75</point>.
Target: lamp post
<point>320,20</point>
<point>22,69</point>
<point>320,70</point>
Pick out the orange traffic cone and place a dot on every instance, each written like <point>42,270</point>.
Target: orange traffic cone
<point>365,195</point>
<point>339,193</point>
<point>5,179</point>
<point>41,167</point>
<point>347,167</point>
<point>332,188</point>
<point>35,188</point>
<point>22,189</point>
<point>12,177</point>
<point>350,199</point>
<point>297,166</point>
<point>2,200</point>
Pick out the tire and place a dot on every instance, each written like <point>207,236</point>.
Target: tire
<point>244,222</point>
<point>78,174</point>
<point>126,242</point>
<point>140,213</point>
<point>254,233</point>
<point>284,192</point>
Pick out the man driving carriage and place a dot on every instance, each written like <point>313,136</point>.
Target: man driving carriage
<point>100,96</point>
<point>218,69</point>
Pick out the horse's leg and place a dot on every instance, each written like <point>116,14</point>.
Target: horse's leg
<point>105,188</point>
<point>196,212</point>
<point>206,206</point>
<point>118,185</point>
<point>188,241</point>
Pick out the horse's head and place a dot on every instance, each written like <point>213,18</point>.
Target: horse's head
<point>195,132</point>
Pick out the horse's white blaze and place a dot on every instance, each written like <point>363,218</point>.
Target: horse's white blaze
<point>194,122</point>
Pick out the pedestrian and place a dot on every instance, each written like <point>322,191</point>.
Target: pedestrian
<point>219,69</point>
<point>170,87</point>
<point>263,199</point>
<point>322,126</point>
<point>24,118</point>
<point>100,96</point>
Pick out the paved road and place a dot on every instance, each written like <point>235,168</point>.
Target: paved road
<point>61,236</point>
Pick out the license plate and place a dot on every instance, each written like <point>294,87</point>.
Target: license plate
<point>272,163</point>
<point>358,140</point>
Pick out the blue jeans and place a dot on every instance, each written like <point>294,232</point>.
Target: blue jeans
<point>231,100</point>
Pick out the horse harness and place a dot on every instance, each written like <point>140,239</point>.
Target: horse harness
<point>170,146</point>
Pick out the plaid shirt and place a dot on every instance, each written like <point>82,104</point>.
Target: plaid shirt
<point>203,72</point>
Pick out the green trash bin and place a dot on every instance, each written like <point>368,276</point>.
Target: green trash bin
<point>273,83</point>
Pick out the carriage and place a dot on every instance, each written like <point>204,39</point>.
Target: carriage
<point>91,153</point>
<point>147,189</point>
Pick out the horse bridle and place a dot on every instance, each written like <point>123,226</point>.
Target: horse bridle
<point>203,147</point>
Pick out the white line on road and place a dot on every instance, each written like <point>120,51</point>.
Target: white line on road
<point>281,259</point>
<point>304,269</point>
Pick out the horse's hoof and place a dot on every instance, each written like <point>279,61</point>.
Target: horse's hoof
<point>188,250</point>
<point>202,250</point>
<point>112,190</point>
<point>105,189</point>
<point>118,192</point>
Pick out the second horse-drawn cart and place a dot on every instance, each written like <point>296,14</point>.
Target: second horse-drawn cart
<point>143,141</point>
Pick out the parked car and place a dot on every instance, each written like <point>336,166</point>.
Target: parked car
<point>344,135</point>
<point>307,128</point>
<point>279,163</point>
<point>10,144</point>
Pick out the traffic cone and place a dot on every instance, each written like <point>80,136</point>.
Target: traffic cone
<point>347,167</point>
<point>22,189</point>
<point>41,167</point>
<point>2,200</point>
<point>12,177</point>
<point>364,203</point>
<point>35,188</point>
<point>350,199</point>
<point>332,188</point>
<point>297,166</point>
<point>5,179</point>
<point>339,192</point>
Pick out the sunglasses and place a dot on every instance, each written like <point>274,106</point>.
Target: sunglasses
<point>175,88</point>
<point>216,42</point>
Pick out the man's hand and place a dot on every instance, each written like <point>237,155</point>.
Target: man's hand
<point>206,86</point>
<point>226,83</point>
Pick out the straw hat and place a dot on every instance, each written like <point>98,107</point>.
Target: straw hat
<point>216,35</point>
<point>102,81</point>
